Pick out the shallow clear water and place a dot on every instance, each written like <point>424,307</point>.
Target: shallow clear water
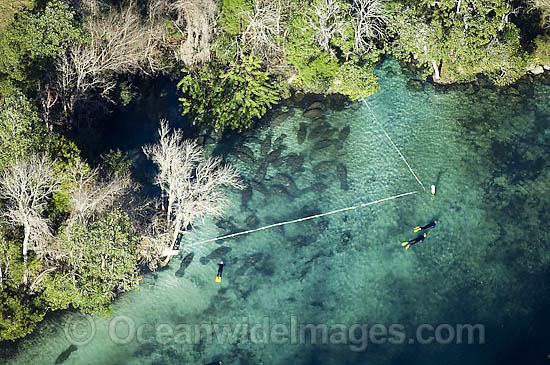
<point>484,263</point>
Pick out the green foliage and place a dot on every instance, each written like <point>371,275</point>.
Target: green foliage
<point>321,72</point>
<point>355,81</point>
<point>126,93</point>
<point>542,50</point>
<point>20,130</point>
<point>232,16</point>
<point>229,96</point>
<point>115,163</point>
<point>101,263</point>
<point>475,40</point>
<point>29,44</point>
<point>19,312</point>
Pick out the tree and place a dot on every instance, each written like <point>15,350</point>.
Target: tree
<point>233,96</point>
<point>90,195</point>
<point>20,130</point>
<point>97,262</point>
<point>26,188</point>
<point>119,42</point>
<point>190,183</point>
<point>459,39</point>
<point>32,41</point>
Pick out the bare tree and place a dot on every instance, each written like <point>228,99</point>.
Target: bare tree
<point>327,18</point>
<point>266,25</point>
<point>120,42</point>
<point>92,196</point>
<point>370,23</point>
<point>26,188</point>
<point>196,21</point>
<point>190,183</point>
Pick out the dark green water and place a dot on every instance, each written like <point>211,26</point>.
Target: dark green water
<point>485,263</point>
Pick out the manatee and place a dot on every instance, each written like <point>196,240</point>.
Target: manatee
<point>279,118</point>
<point>344,133</point>
<point>274,155</point>
<point>324,143</point>
<point>296,162</point>
<point>312,113</point>
<point>278,229</point>
<point>318,187</point>
<point>247,151</point>
<point>185,263</point>
<point>253,259</point>
<point>266,145</point>
<point>252,139</point>
<point>323,168</point>
<point>342,174</point>
<point>260,173</point>
<point>65,354</point>
<point>245,158</point>
<point>302,132</point>
<point>252,221</point>
<point>320,130</point>
<point>300,241</point>
<point>218,253</point>
<point>258,187</point>
<point>246,196</point>
<point>279,140</point>
<point>316,105</point>
<point>280,190</point>
<point>287,182</point>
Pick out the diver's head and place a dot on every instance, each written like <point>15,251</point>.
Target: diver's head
<point>435,222</point>
<point>425,234</point>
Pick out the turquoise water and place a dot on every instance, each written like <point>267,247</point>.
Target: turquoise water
<point>485,262</point>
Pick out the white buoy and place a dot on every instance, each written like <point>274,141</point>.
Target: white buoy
<point>432,188</point>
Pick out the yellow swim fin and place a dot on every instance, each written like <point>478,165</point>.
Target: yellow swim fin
<point>218,279</point>
<point>404,244</point>
<point>416,229</point>
<point>407,247</point>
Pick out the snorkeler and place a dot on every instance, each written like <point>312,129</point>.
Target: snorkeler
<point>217,362</point>
<point>420,237</point>
<point>219,275</point>
<point>429,225</point>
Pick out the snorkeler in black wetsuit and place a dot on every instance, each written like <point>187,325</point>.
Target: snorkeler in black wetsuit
<point>220,271</point>
<point>217,362</point>
<point>420,237</point>
<point>429,225</point>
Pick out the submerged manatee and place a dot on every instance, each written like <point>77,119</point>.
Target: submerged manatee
<point>216,254</point>
<point>323,168</point>
<point>244,157</point>
<point>279,118</point>
<point>246,196</point>
<point>324,143</point>
<point>65,354</point>
<point>184,264</point>
<point>274,155</point>
<point>342,174</point>
<point>344,133</point>
<point>266,145</point>
<point>280,190</point>
<point>316,105</point>
<point>319,130</point>
<point>302,132</point>
<point>258,187</point>
<point>287,182</point>
<point>312,113</point>
<point>261,171</point>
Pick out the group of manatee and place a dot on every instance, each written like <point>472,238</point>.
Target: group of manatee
<point>321,135</point>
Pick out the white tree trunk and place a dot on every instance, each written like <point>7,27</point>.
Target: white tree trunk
<point>26,249</point>
<point>436,71</point>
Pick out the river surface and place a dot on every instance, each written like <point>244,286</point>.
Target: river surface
<point>347,275</point>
